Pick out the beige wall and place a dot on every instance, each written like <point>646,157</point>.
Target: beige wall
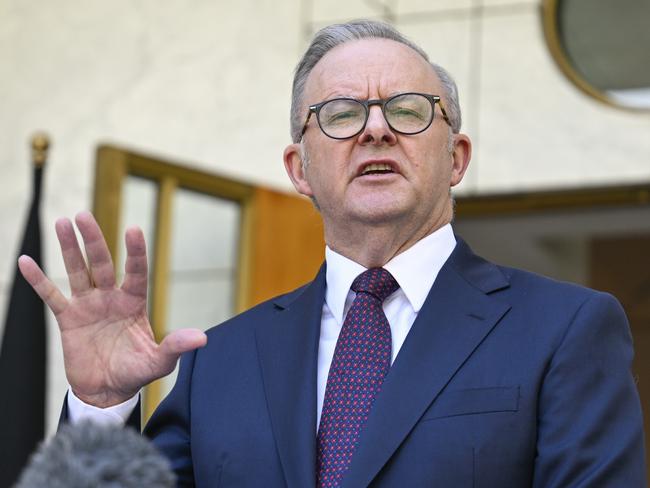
<point>207,83</point>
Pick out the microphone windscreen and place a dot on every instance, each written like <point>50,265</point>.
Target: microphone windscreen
<point>88,455</point>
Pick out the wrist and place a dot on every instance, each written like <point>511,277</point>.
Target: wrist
<point>78,411</point>
<point>105,399</point>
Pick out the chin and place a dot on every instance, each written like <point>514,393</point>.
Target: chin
<point>379,215</point>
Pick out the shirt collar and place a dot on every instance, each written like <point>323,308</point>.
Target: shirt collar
<point>429,253</point>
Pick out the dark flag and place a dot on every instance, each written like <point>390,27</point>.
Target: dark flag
<point>23,351</point>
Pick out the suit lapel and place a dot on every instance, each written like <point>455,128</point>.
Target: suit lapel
<point>453,321</point>
<point>287,350</point>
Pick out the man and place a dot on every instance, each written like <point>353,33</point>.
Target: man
<point>408,361</point>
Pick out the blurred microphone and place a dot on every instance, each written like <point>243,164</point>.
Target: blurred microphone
<point>88,455</point>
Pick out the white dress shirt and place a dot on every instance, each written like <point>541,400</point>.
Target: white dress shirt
<point>415,270</point>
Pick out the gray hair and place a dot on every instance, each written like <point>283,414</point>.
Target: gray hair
<point>337,34</point>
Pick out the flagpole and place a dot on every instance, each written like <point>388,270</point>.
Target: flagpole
<point>23,352</point>
<point>40,146</point>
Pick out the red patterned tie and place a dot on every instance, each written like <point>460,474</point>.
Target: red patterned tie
<point>361,361</point>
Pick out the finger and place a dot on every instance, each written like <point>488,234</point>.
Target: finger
<point>135,268</point>
<point>99,259</point>
<point>75,264</point>
<point>45,289</point>
<point>176,343</point>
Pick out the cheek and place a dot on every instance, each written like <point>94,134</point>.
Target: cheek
<point>430,162</point>
<point>435,172</point>
<point>430,150</point>
<point>322,177</point>
<point>332,165</point>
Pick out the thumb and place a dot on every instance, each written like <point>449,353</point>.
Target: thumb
<point>180,341</point>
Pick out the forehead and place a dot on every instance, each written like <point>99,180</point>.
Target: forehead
<point>370,68</point>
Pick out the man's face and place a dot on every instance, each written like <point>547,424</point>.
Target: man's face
<point>416,190</point>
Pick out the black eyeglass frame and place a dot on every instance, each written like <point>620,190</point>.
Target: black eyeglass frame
<point>433,99</point>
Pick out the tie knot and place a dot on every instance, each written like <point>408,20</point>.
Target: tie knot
<point>376,281</point>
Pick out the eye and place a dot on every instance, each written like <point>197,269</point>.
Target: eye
<point>341,112</point>
<point>341,117</point>
<point>405,113</point>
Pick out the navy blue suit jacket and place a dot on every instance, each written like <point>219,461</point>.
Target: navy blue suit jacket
<point>506,379</point>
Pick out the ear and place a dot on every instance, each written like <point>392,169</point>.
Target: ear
<point>461,155</point>
<point>293,163</point>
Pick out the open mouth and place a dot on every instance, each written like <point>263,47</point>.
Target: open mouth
<point>377,169</point>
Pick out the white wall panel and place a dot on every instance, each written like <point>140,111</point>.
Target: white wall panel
<point>538,131</point>
<point>324,12</point>
<point>426,7</point>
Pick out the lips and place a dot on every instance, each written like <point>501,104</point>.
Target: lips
<point>377,167</point>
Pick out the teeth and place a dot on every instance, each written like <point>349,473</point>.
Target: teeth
<point>376,167</point>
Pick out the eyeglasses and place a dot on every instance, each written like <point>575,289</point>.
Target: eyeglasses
<point>406,113</point>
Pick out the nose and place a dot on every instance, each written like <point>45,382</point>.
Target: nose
<point>377,131</point>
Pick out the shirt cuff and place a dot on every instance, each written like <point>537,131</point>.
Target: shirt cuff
<point>115,415</point>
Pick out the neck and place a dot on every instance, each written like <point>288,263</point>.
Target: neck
<point>375,244</point>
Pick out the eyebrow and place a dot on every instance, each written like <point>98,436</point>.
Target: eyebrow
<point>335,95</point>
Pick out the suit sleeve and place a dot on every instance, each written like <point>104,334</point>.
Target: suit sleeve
<point>170,426</point>
<point>590,427</point>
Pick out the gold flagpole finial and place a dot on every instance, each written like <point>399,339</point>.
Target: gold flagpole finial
<point>40,145</point>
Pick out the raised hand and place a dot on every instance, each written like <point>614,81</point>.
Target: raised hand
<point>108,345</point>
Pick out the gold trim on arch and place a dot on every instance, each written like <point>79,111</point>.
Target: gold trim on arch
<point>545,201</point>
<point>552,35</point>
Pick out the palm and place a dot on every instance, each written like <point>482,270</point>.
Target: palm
<point>108,346</point>
<point>107,339</point>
